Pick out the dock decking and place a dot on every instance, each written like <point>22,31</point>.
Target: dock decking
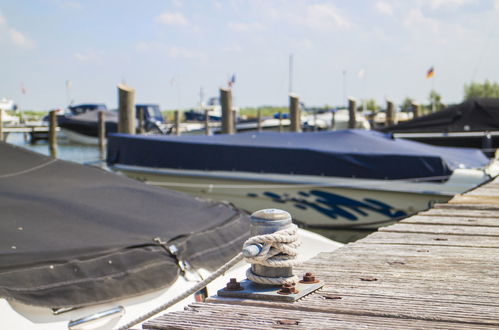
<point>436,270</point>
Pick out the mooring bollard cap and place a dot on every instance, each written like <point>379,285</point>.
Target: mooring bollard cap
<point>271,214</point>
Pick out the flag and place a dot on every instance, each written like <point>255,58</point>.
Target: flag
<point>232,80</point>
<point>430,73</point>
<point>23,89</point>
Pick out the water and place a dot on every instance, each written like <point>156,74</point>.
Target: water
<point>90,155</point>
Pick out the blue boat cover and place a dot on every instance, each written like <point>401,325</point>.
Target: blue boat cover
<point>346,153</point>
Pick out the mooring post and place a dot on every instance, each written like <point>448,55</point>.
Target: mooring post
<point>294,113</point>
<point>53,133</point>
<point>333,119</point>
<point>390,114</point>
<point>228,126</point>
<point>1,124</point>
<point>126,105</point>
<point>207,122</point>
<point>142,128</point>
<point>280,122</point>
<point>352,112</point>
<point>177,122</point>
<point>416,110</point>
<point>102,133</point>
<point>259,119</point>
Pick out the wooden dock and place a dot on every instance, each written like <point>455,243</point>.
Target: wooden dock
<point>436,270</point>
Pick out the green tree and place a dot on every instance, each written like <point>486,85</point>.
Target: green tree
<point>435,100</point>
<point>487,89</point>
<point>407,104</point>
<point>371,105</point>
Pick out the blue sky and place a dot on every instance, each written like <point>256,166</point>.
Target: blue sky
<point>168,50</point>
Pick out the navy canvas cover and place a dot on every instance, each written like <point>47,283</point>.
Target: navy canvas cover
<point>74,235</point>
<point>346,153</point>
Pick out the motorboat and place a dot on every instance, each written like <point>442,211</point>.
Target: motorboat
<point>82,247</point>
<point>82,126</point>
<point>472,123</point>
<point>336,179</point>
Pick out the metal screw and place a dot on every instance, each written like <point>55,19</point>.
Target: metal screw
<point>309,278</point>
<point>287,288</point>
<point>233,285</point>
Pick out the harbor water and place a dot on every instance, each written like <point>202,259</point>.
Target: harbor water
<point>90,155</point>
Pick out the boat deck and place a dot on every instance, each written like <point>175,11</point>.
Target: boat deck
<point>436,270</point>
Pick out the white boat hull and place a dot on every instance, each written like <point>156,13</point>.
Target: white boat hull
<point>313,201</point>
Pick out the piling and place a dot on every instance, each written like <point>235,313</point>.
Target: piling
<point>416,110</point>
<point>259,120</point>
<point>352,111</point>
<point>142,128</point>
<point>207,122</point>
<point>280,121</point>
<point>102,133</point>
<point>294,113</point>
<point>53,133</point>
<point>390,118</point>
<point>1,125</point>
<point>177,122</point>
<point>227,114</point>
<point>126,106</point>
<point>333,119</point>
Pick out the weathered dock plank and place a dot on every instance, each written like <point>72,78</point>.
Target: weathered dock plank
<point>437,270</point>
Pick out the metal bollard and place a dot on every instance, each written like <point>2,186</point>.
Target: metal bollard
<point>263,222</point>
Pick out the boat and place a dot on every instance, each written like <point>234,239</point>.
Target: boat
<point>473,123</point>
<point>78,242</point>
<point>82,126</point>
<point>334,119</point>
<point>332,179</point>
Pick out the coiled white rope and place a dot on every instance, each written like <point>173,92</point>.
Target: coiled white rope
<point>279,250</point>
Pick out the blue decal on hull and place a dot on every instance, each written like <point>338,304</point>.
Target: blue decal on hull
<point>334,206</point>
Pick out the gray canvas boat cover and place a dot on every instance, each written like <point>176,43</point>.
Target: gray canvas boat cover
<point>74,235</point>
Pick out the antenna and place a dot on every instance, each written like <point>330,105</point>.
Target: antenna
<point>291,73</point>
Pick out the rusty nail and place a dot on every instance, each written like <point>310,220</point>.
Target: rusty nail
<point>309,278</point>
<point>287,288</point>
<point>233,285</point>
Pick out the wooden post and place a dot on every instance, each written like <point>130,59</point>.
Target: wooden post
<point>53,133</point>
<point>294,113</point>
<point>126,106</point>
<point>352,112</point>
<point>280,121</point>
<point>227,114</point>
<point>390,114</point>
<point>177,122</point>
<point>142,128</point>
<point>1,124</point>
<point>333,119</point>
<point>416,110</point>
<point>259,119</point>
<point>102,133</point>
<point>207,122</point>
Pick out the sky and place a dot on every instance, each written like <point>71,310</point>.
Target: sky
<point>172,52</point>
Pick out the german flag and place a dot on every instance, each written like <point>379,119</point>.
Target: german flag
<point>430,73</point>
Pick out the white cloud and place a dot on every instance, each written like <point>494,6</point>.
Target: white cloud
<point>496,5</point>
<point>176,19</point>
<point>245,27</point>
<point>88,56</point>
<point>384,8</point>
<point>325,16</point>
<point>71,4</point>
<point>15,36</point>
<point>416,19</point>
<point>436,4</point>
<point>174,52</point>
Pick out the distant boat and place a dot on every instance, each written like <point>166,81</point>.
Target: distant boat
<point>473,123</point>
<point>76,241</point>
<point>82,125</point>
<point>346,178</point>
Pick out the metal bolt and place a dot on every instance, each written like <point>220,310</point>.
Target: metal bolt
<point>233,285</point>
<point>287,288</point>
<point>309,278</point>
